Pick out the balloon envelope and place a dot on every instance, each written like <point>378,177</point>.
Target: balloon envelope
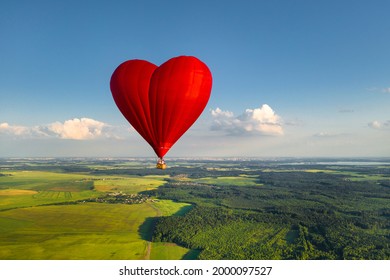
<point>162,103</point>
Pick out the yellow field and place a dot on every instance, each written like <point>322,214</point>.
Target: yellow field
<point>11,192</point>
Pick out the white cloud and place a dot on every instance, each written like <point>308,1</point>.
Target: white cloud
<point>375,124</point>
<point>260,121</point>
<point>379,125</point>
<point>13,129</point>
<point>76,129</point>
<point>219,113</point>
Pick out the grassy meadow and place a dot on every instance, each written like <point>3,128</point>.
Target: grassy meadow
<point>134,184</point>
<point>229,181</point>
<point>43,216</point>
<point>32,188</point>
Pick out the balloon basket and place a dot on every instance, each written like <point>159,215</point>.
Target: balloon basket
<point>161,164</point>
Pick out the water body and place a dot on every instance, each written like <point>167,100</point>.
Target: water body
<point>354,163</point>
<point>360,162</point>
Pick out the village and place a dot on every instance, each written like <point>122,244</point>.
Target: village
<point>120,198</point>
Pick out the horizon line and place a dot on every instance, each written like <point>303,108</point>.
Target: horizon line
<point>199,157</point>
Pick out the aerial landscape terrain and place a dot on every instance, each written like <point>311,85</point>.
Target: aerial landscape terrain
<point>235,208</point>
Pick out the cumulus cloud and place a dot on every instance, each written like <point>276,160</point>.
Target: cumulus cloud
<point>76,129</point>
<point>217,113</point>
<point>379,125</point>
<point>260,121</point>
<point>13,129</point>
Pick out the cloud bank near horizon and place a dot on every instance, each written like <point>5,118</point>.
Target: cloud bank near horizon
<point>258,121</point>
<point>379,125</point>
<point>74,129</point>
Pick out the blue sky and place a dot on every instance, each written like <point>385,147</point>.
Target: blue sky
<point>290,78</point>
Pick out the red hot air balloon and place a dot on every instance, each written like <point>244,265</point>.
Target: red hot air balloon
<point>162,103</point>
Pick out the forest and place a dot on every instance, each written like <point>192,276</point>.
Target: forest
<point>336,212</point>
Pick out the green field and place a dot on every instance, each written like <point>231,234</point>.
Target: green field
<point>229,181</point>
<point>133,184</point>
<point>91,231</point>
<point>31,227</point>
<point>50,187</point>
<point>32,188</point>
<point>170,251</point>
<point>84,231</point>
<point>350,175</point>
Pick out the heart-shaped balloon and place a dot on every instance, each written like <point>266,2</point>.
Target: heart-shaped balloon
<point>162,103</point>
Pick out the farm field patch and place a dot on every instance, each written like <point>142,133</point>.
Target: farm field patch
<point>83,231</point>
